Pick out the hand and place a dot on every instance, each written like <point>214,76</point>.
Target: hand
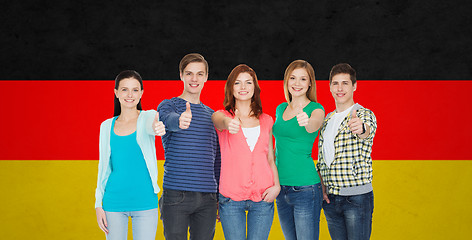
<point>326,198</point>
<point>102,219</point>
<point>356,124</point>
<point>158,126</point>
<point>270,194</point>
<point>185,118</point>
<point>234,123</point>
<point>302,117</point>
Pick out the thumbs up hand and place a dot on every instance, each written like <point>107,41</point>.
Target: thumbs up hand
<point>185,118</point>
<point>355,124</point>
<point>302,117</point>
<point>158,126</point>
<point>234,123</point>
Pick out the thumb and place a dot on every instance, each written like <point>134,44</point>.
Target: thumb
<point>188,107</point>
<point>354,114</point>
<point>299,108</point>
<point>156,118</point>
<point>236,113</point>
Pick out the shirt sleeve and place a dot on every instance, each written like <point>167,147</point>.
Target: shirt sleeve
<point>369,118</point>
<point>169,116</point>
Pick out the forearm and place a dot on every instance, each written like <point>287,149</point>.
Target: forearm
<point>220,120</point>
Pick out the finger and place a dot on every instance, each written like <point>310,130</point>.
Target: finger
<point>156,118</point>
<point>188,107</point>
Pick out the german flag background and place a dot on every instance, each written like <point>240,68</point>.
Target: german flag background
<point>59,59</point>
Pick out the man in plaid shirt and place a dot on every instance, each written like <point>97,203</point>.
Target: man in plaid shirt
<point>344,162</point>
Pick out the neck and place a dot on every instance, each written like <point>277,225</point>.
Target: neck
<point>244,107</point>
<point>189,97</point>
<point>296,101</point>
<point>128,114</point>
<point>341,107</point>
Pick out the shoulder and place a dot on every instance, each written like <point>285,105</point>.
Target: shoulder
<point>315,105</point>
<point>226,113</point>
<point>206,108</point>
<point>106,122</point>
<point>266,118</point>
<point>147,114</point>
<point>281,107</point>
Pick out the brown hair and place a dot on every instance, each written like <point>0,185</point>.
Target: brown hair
<point>343,68</point>
<point>190,58</point>
<point>311,92</point>
<point>229,102</point>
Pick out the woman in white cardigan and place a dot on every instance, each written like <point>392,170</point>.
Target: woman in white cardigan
<point>127,169</point>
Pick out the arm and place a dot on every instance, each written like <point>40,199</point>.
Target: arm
<point>271,193</point>
<point>361,120</point>
<point>168,115</point>
<point>315,121</point>
<point>323,187</point>
<point>222,122</point>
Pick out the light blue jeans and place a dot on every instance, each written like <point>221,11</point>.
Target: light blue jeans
<point>299,209</point>
<point>144,224</point>
<point>233,218</point>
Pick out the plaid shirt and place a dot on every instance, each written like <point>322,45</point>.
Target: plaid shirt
<point>352,165</point>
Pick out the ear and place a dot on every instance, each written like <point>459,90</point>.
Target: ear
<point>181,78</point>
<point>355,86</point>
<point>116,92</point>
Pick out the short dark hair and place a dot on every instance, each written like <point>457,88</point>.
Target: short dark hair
<point>343,68</point>
<point>122,75</point>
<point>190,58</point>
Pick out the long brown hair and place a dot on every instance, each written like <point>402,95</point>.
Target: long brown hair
<point>229,102</point>
<point>311,92</point>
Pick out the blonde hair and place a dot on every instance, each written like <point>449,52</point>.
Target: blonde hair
<point>311,92</point>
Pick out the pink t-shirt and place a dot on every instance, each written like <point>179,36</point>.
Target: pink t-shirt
<point>245,175</point>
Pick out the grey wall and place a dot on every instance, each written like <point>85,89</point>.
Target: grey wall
<point>403,40</point>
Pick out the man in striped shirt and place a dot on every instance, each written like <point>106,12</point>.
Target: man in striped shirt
<point>192,158</point>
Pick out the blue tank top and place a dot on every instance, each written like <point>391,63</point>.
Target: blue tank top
<point>129,186</point>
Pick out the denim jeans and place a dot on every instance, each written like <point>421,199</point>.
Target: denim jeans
<point>349,217</point>
<point>233,218</point>
<point>184,211</point>
<point>299,210</point>
<point>144,224</point>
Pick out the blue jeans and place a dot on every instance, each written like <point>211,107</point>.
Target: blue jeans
<point>144,224</point>
<point>184,211</point>
<point>299,210</point>
<point>233,218</point>
<point>349,217</point>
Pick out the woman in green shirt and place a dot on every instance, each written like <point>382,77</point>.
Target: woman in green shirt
<point>295,129</point>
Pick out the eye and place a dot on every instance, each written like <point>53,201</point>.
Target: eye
<point>236,83</point>
<point>200,74</point>
<point>292,78</point>
<point>188,74</point>
<point>304,79</point>
<point>249,82</point>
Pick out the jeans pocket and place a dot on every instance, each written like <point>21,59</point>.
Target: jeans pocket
<point>303,188</point>
<point>172,197</point>
<point>356,200</point>
<point>222,199</point>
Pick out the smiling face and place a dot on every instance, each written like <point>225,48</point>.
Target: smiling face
<point>298,82</point>
<point>243,88</point>
<point>194,76</point>
<point>342,89</point>
<point>129,92</point>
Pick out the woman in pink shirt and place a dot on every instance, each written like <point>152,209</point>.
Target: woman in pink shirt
<point>249,180</point>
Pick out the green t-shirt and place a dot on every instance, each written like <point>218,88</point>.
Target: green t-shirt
<point>293,148</point>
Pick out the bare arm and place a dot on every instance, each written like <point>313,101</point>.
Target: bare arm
<point>315,121</point>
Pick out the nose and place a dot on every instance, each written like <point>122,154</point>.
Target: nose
<point>243,85</point>
<point>130,93</point>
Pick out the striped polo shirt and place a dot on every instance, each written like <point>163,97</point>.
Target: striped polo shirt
<point>192,156</point>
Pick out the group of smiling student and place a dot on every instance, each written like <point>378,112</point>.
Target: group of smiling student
<point>223,164</point>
